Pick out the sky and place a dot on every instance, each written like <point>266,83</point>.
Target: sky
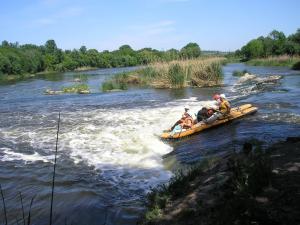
<point>224,25</point>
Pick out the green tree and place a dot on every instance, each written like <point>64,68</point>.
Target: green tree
<point>191,50</point>
<point>83,49</point>
<point>50,46</point>
<point>253,49</point>
<point>279,40</point>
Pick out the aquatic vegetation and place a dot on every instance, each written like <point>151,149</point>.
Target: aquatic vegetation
<point>113,85</point>
<point>283,60</point>
<point>175,74</point>
<point>238,73</point>
<point>77,88</point>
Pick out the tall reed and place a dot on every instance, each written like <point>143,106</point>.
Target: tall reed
<point>4,206</point>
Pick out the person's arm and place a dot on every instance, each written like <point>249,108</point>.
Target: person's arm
<point>228,106</point>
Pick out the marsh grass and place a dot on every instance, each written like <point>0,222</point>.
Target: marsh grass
<point>113,85</point>
<point>283,60</point>
<point>174,74</point>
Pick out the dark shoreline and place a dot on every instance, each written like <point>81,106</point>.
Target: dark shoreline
<point>254,186</point>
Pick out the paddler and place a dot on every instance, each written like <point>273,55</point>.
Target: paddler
<point>186,120</point>
<point>223,108</point>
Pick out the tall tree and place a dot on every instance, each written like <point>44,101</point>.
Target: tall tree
<point>191,50</point>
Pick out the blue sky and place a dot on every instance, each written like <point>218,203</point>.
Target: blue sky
<point>161,24</point>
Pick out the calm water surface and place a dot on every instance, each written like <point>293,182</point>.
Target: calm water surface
<point>110,154</point>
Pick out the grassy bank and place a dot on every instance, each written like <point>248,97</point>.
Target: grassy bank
<point>284,60</point>
<point>175,74</point>
<point>254,186</point>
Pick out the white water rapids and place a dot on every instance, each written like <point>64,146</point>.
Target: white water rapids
<point>123,144</point>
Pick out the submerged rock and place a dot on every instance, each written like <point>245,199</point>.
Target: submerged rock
<point>52,92</point>
<point>246,77</point>
<point>77,80</point>
<point>84,92</point>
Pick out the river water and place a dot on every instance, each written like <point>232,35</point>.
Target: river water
<point>109,152</point>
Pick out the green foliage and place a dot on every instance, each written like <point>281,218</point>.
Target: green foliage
<point>253,49</point>
<point>28,58</point>
<point>113,85</point>
<point>191,50</point>
<point>275,44</point>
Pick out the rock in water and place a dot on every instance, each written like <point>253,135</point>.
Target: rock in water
<point>246,77</point>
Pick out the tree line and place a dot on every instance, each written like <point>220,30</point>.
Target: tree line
<point>28,58</point>
<point>274,44</point>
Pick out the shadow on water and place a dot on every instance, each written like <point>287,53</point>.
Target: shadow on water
<point>51,76</point>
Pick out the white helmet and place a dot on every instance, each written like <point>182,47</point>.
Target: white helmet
<point>223,96</point>
<point>186,107</point>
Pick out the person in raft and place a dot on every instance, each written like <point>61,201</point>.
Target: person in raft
<point>185,122</point>
<point>223,108</point>
<point>204,114</point>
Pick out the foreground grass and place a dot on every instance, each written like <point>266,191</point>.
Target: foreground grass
<point>175,74</point>
<point>284,60</point>
<point>255,186</point>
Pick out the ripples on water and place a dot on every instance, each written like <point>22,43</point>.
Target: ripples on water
<point>110,154</point>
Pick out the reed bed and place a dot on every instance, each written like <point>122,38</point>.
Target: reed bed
<point>283,60</point>
<point>174,74</point>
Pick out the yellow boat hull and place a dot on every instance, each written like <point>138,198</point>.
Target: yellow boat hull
<point>235,113</point>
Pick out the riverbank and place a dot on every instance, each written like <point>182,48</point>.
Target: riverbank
<point>7,78</point>
<point>254,186</point>
<point>289,61</point>
<point>202,72</point>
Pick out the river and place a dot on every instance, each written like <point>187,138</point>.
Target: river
<point>109,151</point>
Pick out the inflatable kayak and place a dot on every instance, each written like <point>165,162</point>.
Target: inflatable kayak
<point>235,113</point>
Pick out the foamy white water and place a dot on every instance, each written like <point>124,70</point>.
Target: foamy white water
<point>123,144</point>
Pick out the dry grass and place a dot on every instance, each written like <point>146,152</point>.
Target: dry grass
<point>196,72</point>
<point>283,60</point>
<point>176,74</point>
